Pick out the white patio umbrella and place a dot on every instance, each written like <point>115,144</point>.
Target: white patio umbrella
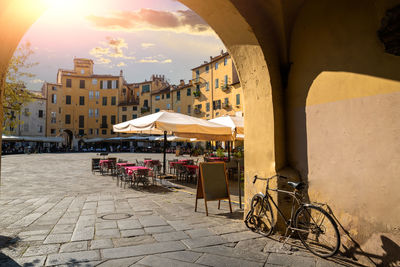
<point>177,124</point>
<point>235,123</point>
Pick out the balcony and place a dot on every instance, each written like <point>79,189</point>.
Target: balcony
<point>198,80</point>
<point>144,109</point>
<point>196,94</point>
<point>225,87</point>
<point>226,105</point>
<point>197,110</point>
<point>103,126</point>
<point>134,101</point>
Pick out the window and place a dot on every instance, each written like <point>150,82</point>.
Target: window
<point>26,112</point>
<point>146,88</point>
<point>226,101</point>
<point>40,129</point>
<point>124,91</point>
<point>81,132</point>
<point>104,121</point>
<point>68,99</point>
<point>53,117</point>
<point>54,99</point>
<point>124,108</point>
<point>134,108</point>
<point>168,106</point>
<point>96,112</point>
<point>168,95</point>
<point>124,118</point>
<point>90,113</point>
<point>114,84</point>
<point>197,87</point>
<point>226,80</point>
<point>207,68</point>
<point>67,119</point>
<point>54,88</point>
<point>59,110</point>
<point>189,109</point>
<point>146,103</point>
<point>96,131</point>
<point>162,96</point>
<point>69,83</point>
<point>178,95</point>
<point>103,85</point>
<point>157,97</point>
<point>97,94</point>
<point>26,127</point>
<point>104,101</point>
<point>81,121</point>
<point>94,81</point>
<point>53,131</point>
<point>179,109</point>
<point>90,131</point>
<point>134,116</point>
<point>189,91</point>
<point>113,100</point>
<point>104,132</point>
<point>208,106</point>
<point>157,110</point>
<point>225,61</point>
<point>197,74</point>
<point>207,86</point>
<point>113,119</point>
<point>216,83</point>
<point>109,84</point>
<point>82,71</point>
<point>81,83</point>
<point>90,95</point>
<point>238,99</point>
<point>217,104</point>
<point>81,100</point>
<point>40,113</point>
<point>216,65</point>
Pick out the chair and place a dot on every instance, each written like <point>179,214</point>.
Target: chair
<point>122,175</point>
<point>95,165</point>
<point>140,175</point>
<point>139,163</point>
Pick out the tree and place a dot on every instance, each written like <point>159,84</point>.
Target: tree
<point>16,95</point>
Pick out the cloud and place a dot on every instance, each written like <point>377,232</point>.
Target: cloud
<point>111,48</point>
<point>167,61</point>
<point>121,64</point>
<point>147,45</point>
<point>148,61</point>
<point>185,21</point>
<point>154,60</point>
<point>37,81</point>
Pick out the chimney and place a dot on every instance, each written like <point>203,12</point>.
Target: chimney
<point>121,73</point>
<point>182,82</point>
<point>211,58</point>
<point>222,51</point>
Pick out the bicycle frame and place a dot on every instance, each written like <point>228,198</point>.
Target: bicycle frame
<point>267,197</point>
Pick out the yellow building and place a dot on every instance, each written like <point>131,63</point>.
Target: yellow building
<point>217,88</point>
<point>183,98</point>
<point>81,103</point>
<point>161,99</point>
<point>128,106</point>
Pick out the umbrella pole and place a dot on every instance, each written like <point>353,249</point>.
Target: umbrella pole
<point>165,151</point>
<point>229,150</point>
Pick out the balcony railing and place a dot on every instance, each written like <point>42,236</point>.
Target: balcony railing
<point>129,102</point>
<point>226,105</point>
<point>225,87</point>
<point>103,126</point>
<point>197,110</point>
<point>144,109</point>
<point>196,94</point>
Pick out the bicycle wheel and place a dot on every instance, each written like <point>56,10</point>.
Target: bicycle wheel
<point>317,231</point>
<point>260,218</point>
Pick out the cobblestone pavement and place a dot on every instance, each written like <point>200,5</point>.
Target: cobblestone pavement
<point>55,212</point>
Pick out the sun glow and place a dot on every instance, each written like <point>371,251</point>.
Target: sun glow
<point>71,7</point>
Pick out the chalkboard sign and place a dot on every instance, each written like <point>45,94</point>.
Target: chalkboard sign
<point>213,184</point>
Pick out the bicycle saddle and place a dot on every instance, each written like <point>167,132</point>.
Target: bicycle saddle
<point>298,186</point>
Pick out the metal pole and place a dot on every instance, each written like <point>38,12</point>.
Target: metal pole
<point>165,151</point>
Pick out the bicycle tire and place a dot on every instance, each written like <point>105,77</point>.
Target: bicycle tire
<point>260,218</point>
<point>315,223</point>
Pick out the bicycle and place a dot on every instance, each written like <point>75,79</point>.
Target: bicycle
<point>316,229</point>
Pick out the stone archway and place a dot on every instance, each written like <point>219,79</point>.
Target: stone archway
<point>68,138</point>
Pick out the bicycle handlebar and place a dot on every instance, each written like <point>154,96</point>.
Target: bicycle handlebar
<point>266,179</point>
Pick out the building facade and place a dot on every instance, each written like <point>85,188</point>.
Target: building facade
<point>31,120</point>
<point>217,89</point>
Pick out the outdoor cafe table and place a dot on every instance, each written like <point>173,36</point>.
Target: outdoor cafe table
<point>105,162</point>
<point>191,167</point>
<point>218,158</point>
<point>130,169</point>
<point>121,164</point>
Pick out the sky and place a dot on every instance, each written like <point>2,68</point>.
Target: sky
<point>140,37</point>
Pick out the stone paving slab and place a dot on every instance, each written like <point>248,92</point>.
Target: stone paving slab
<point>67,216</point>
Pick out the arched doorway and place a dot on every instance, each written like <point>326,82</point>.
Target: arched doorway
<point>68,137</point>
